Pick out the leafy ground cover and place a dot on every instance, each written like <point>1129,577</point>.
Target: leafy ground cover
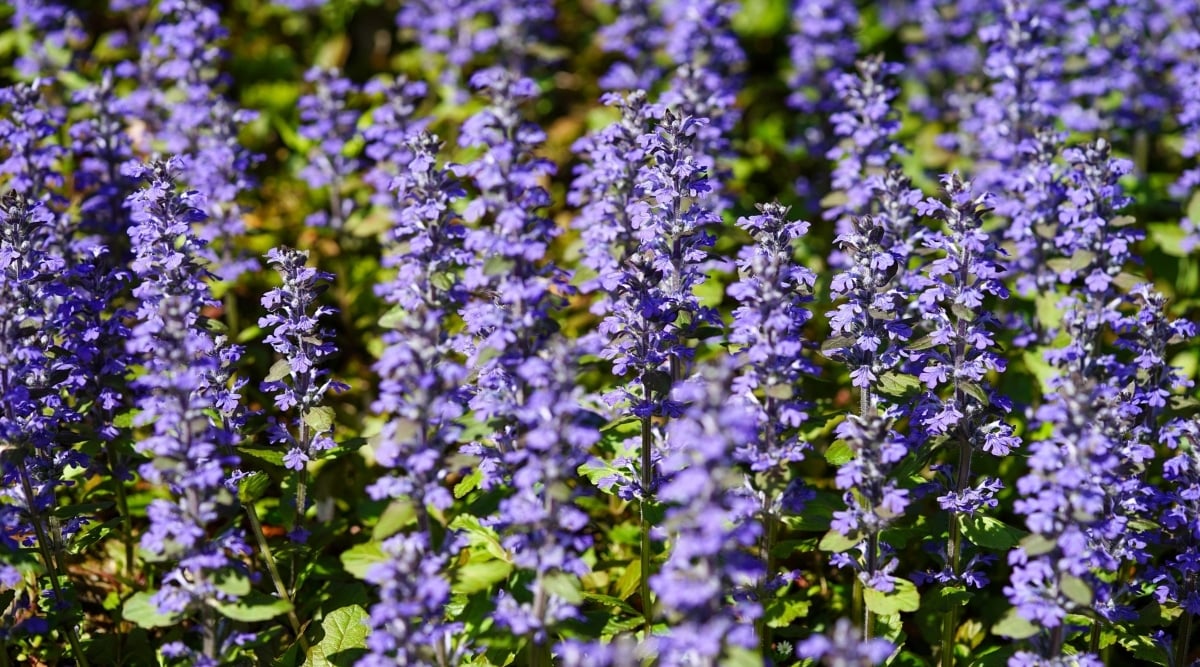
<point>599,332</point>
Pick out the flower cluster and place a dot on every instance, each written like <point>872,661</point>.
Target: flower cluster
<point>591,423</point>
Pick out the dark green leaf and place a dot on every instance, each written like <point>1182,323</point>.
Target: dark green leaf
<point>253,608</point>
<point>140,610</point>
<point>1013,626</point>
<point>253,486</point>
<point>345,639</point>
<point>836,542</point>
<point>989,533</point>
<point>320,418</point>
<point>279,370</point>
<point>904,598</point>
<point>481,575</point>
<point>359,558</point>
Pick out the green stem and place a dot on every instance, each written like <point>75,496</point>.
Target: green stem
<point>647,481</point>
<point>1183,643</point>
<point>280,589</point>
<point>954,550</point>
<point>947,649</point>
<point>769,531</point>
<point>1058,637</point>
<point>857,605</point>
<point>1094,640</point>
<point>301,497</point>
<point>126,518</point>
<point>231,313</point>
<point>43,540</point>
<point>872,565</point>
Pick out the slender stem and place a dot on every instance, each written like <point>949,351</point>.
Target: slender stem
<point>769,531</point>
<point>1183,643</point>
<point>280,589</point>
<point>872,566</point>
<point>301,497</point>
<point>947,649</point>
<point>857,605</point>
<point>647,481</point>
<point>1094,640</point>
<point>539,653</point>
<point>207,620</point>
<point>1058,637</point>
<point>208,626</point>
<point>43,540</point>
<point>126,517</point>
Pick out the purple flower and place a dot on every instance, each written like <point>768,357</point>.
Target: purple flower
<point>299,379</point>
<point>843,648</point>
<point>655,309</point>
<point>870,326</point>
<point>866,124</point>
<point>499,32</point>
<point>767,325</point>
<point>961,351</point>
<point>188,448</point>
<point>330,123</point>
<point>710,520</point>
<point>606,183</point>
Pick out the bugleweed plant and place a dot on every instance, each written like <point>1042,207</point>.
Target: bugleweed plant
<point>599,333</point>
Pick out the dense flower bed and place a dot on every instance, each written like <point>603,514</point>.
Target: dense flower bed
<point>599,332</point>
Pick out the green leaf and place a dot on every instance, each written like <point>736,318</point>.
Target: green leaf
<point>780,391</point>
<point>468,483</point>
<point>1144,648</point>
<point>393,319</point>
<point>989,533</point>
<point>93,533</point>
<point>1013,626</point>
<point>480,576</point>
<point>1076,590</point>
<point>659,382</point>
<point>345,639</point>
<point>140,610</point>
<point>264,454</point>
<point>1082,259</point>
<point>233,582</point>
<point>1046,307</point>
<point>950,597</point>
<point>1036,362</point>
<point>904,598</point>
<point>782,612</point>
<point>480,535</point>
<point>976,392</point>
<point>738,656</point>
<point>252,487</point>
<point>1036,545</point>
<point>565,586</point>
<point>359,558</point>
<point>836,542</point>
<point>896,384</point>
<point>279,370</point>
<point>923,343</point>
<point>1168,236</point>
<point>628,584</point>
<point>838,343</point>
<point>839,453</point>
<point>397,515</point>
<point>125,419</point>
<point>320,418</point>
<point>253,608</point>
<point>610,601</point>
